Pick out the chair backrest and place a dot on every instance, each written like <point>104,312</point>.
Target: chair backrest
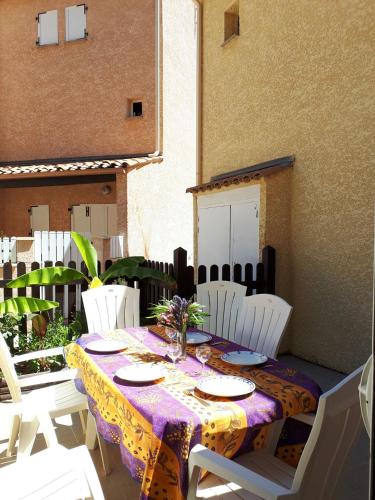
<point>262,322</point>
<point>222,300</point>
<point>9,372</point>
<point>336,425</point>
<point>111,306</point>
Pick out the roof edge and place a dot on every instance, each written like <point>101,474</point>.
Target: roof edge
<point>245,174</point>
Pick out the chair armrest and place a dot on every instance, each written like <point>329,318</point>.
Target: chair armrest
<point>306,418</point>
<point>55,351</point>
<point>203,458</point>
<point>47,378</point>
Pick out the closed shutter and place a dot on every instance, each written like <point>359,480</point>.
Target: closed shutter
<point>80,219</point>
<point>47,28</point>
<point>244,234</point>
<point>75,22</point>
<point>39,218</point>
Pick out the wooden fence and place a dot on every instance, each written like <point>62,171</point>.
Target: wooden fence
<point>259,280</point>
<point>8,249</point>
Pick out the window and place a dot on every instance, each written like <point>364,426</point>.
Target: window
<point>232,22</point>
<point>136,108</point>
<point>75,22</point>
<point>47,28</point>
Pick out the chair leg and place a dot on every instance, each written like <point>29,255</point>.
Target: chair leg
<point>273,435</point>
<point>14,433</point>
<point>104,455</point>
<point>91,432</point>
<point>83,419</point>
<point>28,431</point>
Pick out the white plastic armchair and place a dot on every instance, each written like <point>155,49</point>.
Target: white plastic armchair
<point>262,323</point>
<point>55,401</point>
<point>222,301</point>
<point>111,306</point>
<point>55,473</point>
<point>259,474</point>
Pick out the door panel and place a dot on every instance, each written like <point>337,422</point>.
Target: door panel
<point>244,234</point>
<point>214,236</point>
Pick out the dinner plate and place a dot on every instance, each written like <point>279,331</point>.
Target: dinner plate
<point>195,338</point>
<point>141,373</point>
<point>226,386</point>
<point>250,358</point>
<point>106,346</point>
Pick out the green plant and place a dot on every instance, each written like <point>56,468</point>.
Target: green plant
<point>129,267</point>
<point>178,313</point>
<point>10,327</point>
<point>46,335</point>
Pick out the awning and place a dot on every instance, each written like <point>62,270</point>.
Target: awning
<point>71,164</point>
<point>245,174</point>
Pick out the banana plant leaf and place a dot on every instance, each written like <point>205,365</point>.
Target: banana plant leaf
<point>135,271</point>
<point>119,265</point>
<point>25,305</point>
<point>47,276</point>
<point>88,253</point>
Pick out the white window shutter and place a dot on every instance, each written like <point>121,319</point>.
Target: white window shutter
<point>75,22</point>
<point>48,28</point>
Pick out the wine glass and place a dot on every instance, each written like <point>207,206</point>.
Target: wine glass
<point>203,353</point>
<point>171,333</point>
<point>174,352</point>
<point>141,334</point>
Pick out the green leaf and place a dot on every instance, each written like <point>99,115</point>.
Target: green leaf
<point>138,272</point>
<point>24,305</point>
<point>47,276</point>
<point>88,253</point>
<point>119,265</point>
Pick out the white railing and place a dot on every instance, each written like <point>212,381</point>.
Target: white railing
<point>8,250</point>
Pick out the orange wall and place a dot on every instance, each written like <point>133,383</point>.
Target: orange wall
<point>15,202</point>
<point>72,99</point>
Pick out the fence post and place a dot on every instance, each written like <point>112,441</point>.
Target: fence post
<point>179,268</point>
<point>269,262</point>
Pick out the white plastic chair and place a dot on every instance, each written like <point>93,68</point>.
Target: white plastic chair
<point>259,474</point>
<point>56,400</point>
<point>222,301</point>
<point>111,306</point>
<point>55,473</point>
<point>262,323</point>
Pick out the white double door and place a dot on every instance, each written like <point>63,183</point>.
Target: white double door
<point>228,228</point>
<point>99,220</point>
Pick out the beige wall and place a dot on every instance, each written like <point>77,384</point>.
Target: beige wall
<point>15,202</point>
<point>160,213</point>
<point>72,99</point>
<point>299,80</point>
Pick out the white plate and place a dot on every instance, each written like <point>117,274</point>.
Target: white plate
<point>244,358</point>
<point>141,373</point>
<point>195,338</point>
<point>226,386</point>
<point>106,345</point>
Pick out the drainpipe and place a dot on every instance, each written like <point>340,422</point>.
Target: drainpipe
<point>198,102</point>
<point>157,151</point>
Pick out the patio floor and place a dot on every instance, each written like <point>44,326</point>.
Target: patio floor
<point>353,484</point>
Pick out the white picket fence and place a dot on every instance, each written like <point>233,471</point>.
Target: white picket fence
<point>56,246</point>
<point>116,247</point>
<point>8,250</point>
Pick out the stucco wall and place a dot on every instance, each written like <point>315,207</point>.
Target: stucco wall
<point>299,80</point>
<point>160,213</point>
<point>71,99</point>
<point>15,202</point>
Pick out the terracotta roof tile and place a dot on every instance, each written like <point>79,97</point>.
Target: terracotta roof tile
<point>246,174</point>
<point>64,166</point>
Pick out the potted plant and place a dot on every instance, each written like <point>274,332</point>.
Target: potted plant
<point>178,314</point>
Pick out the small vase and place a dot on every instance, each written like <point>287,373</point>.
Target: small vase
<point>181,339</point>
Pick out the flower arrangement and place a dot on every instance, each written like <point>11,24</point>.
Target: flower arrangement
<point>177,314</point>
